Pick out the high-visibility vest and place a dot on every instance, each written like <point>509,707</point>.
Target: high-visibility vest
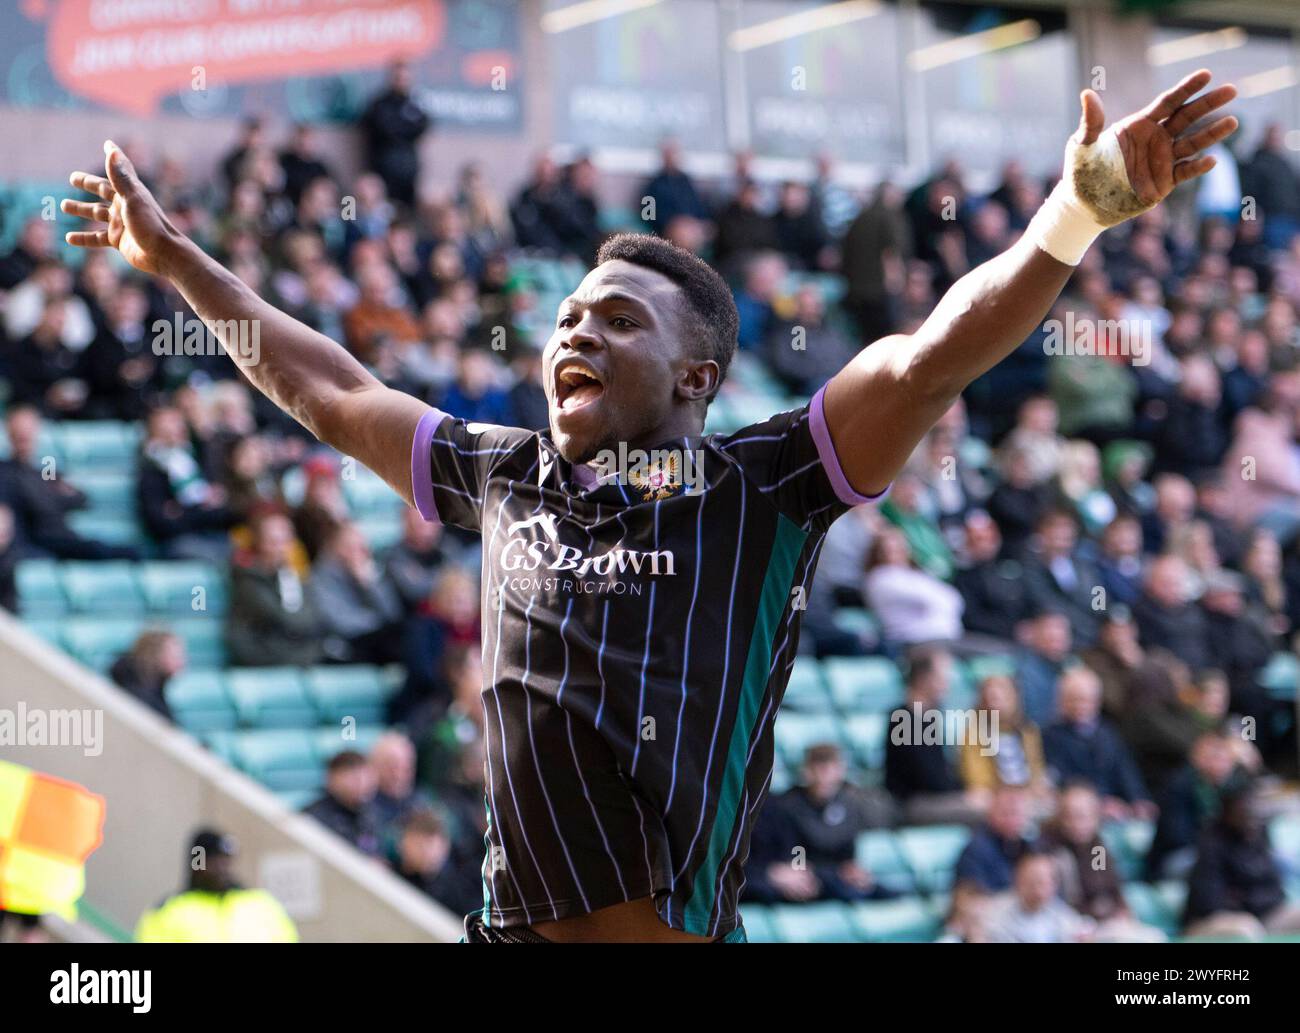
<point>199,916</point>
<point>48,827</point>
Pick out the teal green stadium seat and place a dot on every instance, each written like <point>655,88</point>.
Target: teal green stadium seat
<point>931,852</point>
<point>381,530</point>
<point>367,495</point>
<point>962,691</point>
<point>109,491</point>
<point>864,683</point>
<point>1128,841</point>
<point>357,691</point>
<point>1284,834</point>
<point>170,587</point>
<point>107,587</point>
<point>114,528</point>
<point>905,920</point>
<point>795,732</point>
<point>270,697</point>
<point>859,622</point>
<point>877,851</point>
<point>866,735</point>
<point>204,637</point>
<point>98,641</point>
<point>99,442</point>
<point>806,691</point>
<point>1153,907</point>
<point>759,927</point>
<point>822,922</point>
<point>199,702</point>
<point>329,740</point>
<point>783,777</point>
<point>281,759</point>
<point>222,744</point>
<point>1281,676</point>
<point>981,667</point>
<point>49,629</point>
<point>40,590</point>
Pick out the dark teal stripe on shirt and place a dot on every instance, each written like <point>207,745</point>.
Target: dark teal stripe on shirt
<point>777,582</point>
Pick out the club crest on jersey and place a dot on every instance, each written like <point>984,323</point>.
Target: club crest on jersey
<point>657,480</point>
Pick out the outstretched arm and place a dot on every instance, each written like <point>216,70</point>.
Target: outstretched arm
<point>883,402</point>
<point>313,379</point>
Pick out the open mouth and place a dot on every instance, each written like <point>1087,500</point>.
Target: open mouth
<point>576,386</point>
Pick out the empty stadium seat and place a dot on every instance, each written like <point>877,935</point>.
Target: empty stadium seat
<point>40,589</point>
<point>270,697</point>
<point>99,442</point>
<point>1281,676</point>
<point>1129,842</point>
<point>864,683</point>
<point>332,739</point>
<point>795,732</point>
<point>110,492</point>
<point>98,641</point>
<point>204,638</point>
<point>806,690</point>
<point>866,735</point>
<point>199,702</point>
<point>877,851</point>
<point>759,927</point>
<point>905,920</point>
<point>107,587</point>
<point>114,528</point>
<point>931,852</point>
<point>353,690</point>
<point>822,922</point>
<point>368,494</point>
<point>281,759</point>
<point>169,587</point>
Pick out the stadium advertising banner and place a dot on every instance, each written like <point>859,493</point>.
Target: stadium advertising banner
<point>836,88</point>
<point>977,65</point>
<point>319,59</point>
<point>629,79</point>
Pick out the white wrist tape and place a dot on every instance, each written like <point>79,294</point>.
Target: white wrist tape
<point>1063,227</point>
<point>1093,194</point>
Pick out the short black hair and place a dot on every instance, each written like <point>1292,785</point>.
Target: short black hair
<point>710,309</point>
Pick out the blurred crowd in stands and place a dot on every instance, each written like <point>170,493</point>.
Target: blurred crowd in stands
<point>1120,534</point>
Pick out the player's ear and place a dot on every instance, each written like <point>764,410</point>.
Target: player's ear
<point>697,379</point>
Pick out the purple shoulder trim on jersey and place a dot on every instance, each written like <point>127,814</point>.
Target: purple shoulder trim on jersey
<point>830,461</point>
<point>421,481</point>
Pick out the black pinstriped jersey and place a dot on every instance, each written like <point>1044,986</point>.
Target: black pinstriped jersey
<point>636,645</point>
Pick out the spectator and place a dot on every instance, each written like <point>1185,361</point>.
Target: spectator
<point>448,617</point>
<point>301,161</point>
<point>800,235</point>
<point>323,509</point>
<point>272,620</point>
<point>1018,502</point>
<point>1270,178</point>
<point>396,797</point>
<point>909,509</point>
<point>182,510</point>
<point>913,606</point>
<point>9,557</point>
<point>425,861</point>
<point>40,498</point>
<point>360,612</point>
<point>1092,889</point>
<point>1165,616</point>
<point>1161,720</point>
<point>968,914</point>
<point>1116,659</point>
<point>444,739</point>
<point>1235,888</point>
<point>762,277</point>
<point>144,671</point>
<point>1082,746</point>
<point>413,564</point>
<point>743,227</point>
<point>920,774</point>
<point>873,256</point>
<point>1120,565</point>
<point>392,126</point>
<point>1035,434</point>
<point>1057,577</point>
<point>347,807</point>
<point>804,351</point>
<point>1192,800</point>
<point>998,843</point>
<point>1240,645</point>
<point>119,366</point>
<point>991,588</point>
<point>1035,912</point>
<point>807,837</point>
<point>1046,649</point>
<point>1012,755</point>
<point>671,191</point>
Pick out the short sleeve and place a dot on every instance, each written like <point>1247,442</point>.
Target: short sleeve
<point>451,462</point>
<point>791,459</point>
